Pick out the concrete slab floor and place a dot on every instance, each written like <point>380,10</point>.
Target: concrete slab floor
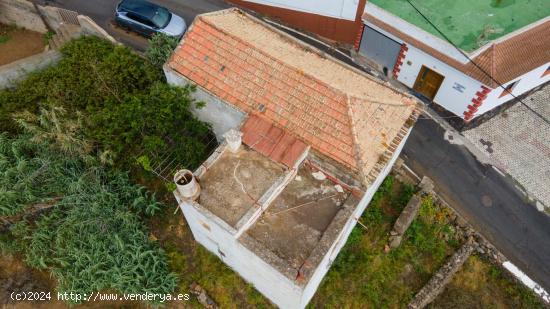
<point>469,23</point>
<point>296,220</point>
<point>221,192</point>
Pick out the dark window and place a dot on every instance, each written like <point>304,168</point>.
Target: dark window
<point>508,90</point>
<point>161,18</point>
<point>140,19</point>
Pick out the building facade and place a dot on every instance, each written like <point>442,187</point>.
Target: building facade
<point>507,42</point>
<point>336,20</point>
<point>467,83</point>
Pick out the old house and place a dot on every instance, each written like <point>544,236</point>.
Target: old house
<point>507,40</point>
<point>318,138</point>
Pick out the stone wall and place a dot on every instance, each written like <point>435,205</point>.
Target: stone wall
<point>21,13</point>
<point>465,234</point>
<point>51,17</point>
<point>13,72</point>
<point>404,221</point>
<point>437,283</point>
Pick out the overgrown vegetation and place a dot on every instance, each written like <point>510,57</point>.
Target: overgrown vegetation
<point>93,238</point>
<point>127,106</point>
<point>480,284</point>
<point>48,36</point>
<point>160,48</point>
<point>69,132</point>
<point>364,275</point>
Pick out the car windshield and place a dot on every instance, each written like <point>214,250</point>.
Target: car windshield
<point>161,18</point>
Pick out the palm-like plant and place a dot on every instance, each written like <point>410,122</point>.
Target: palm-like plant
<point>54,127</point>
<point>93,238</point>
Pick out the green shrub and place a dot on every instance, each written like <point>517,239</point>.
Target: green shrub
<point>94,241</point>
<point>160,48</point>
<point>127,107</point>
<point>156,120</point>
<point>93,238</point>
<point>93,72</point>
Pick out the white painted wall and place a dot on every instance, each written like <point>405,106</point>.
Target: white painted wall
<point>268,281</point>
<point>414,31</point>
<point>450,98</point>
<point>221,116</point>
<point>527,82</point>
<point>447,96</point>
<point>343,9</point>
<point>216,236</point>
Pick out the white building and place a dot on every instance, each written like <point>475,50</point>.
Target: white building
<point>319,137</point>
<point>509,47</point>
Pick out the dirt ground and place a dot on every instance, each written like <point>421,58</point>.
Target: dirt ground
<point>17,43</point>
<point>17,277</point>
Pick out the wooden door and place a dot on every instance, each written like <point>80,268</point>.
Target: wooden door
<point>428,82</point>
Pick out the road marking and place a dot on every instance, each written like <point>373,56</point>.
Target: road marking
<point>528,282</point>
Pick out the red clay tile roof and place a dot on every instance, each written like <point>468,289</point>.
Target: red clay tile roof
<point>256,82</point>
<point>504,60</point>
<point>272,142</point>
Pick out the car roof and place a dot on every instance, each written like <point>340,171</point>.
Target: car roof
<point>141,7</point>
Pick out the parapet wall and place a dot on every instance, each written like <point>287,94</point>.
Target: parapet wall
<point>21,13</point>
<point>13,72</point>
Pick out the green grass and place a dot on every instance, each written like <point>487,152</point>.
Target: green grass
<point>469,23</point>
<point>480,284</point>
<point>5,32</point>
<point>48,36</point>
<point>364,275</point>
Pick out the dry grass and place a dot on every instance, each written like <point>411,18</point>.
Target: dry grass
<point>480,284</point>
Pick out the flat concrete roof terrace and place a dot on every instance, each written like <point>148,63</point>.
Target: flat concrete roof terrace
<point>296,221</point>
<point>223,183</point>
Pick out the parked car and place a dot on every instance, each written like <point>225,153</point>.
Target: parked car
<point>147,18</point>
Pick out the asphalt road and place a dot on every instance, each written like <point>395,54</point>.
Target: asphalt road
<point>488,200</point>
<point>103,11</point>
